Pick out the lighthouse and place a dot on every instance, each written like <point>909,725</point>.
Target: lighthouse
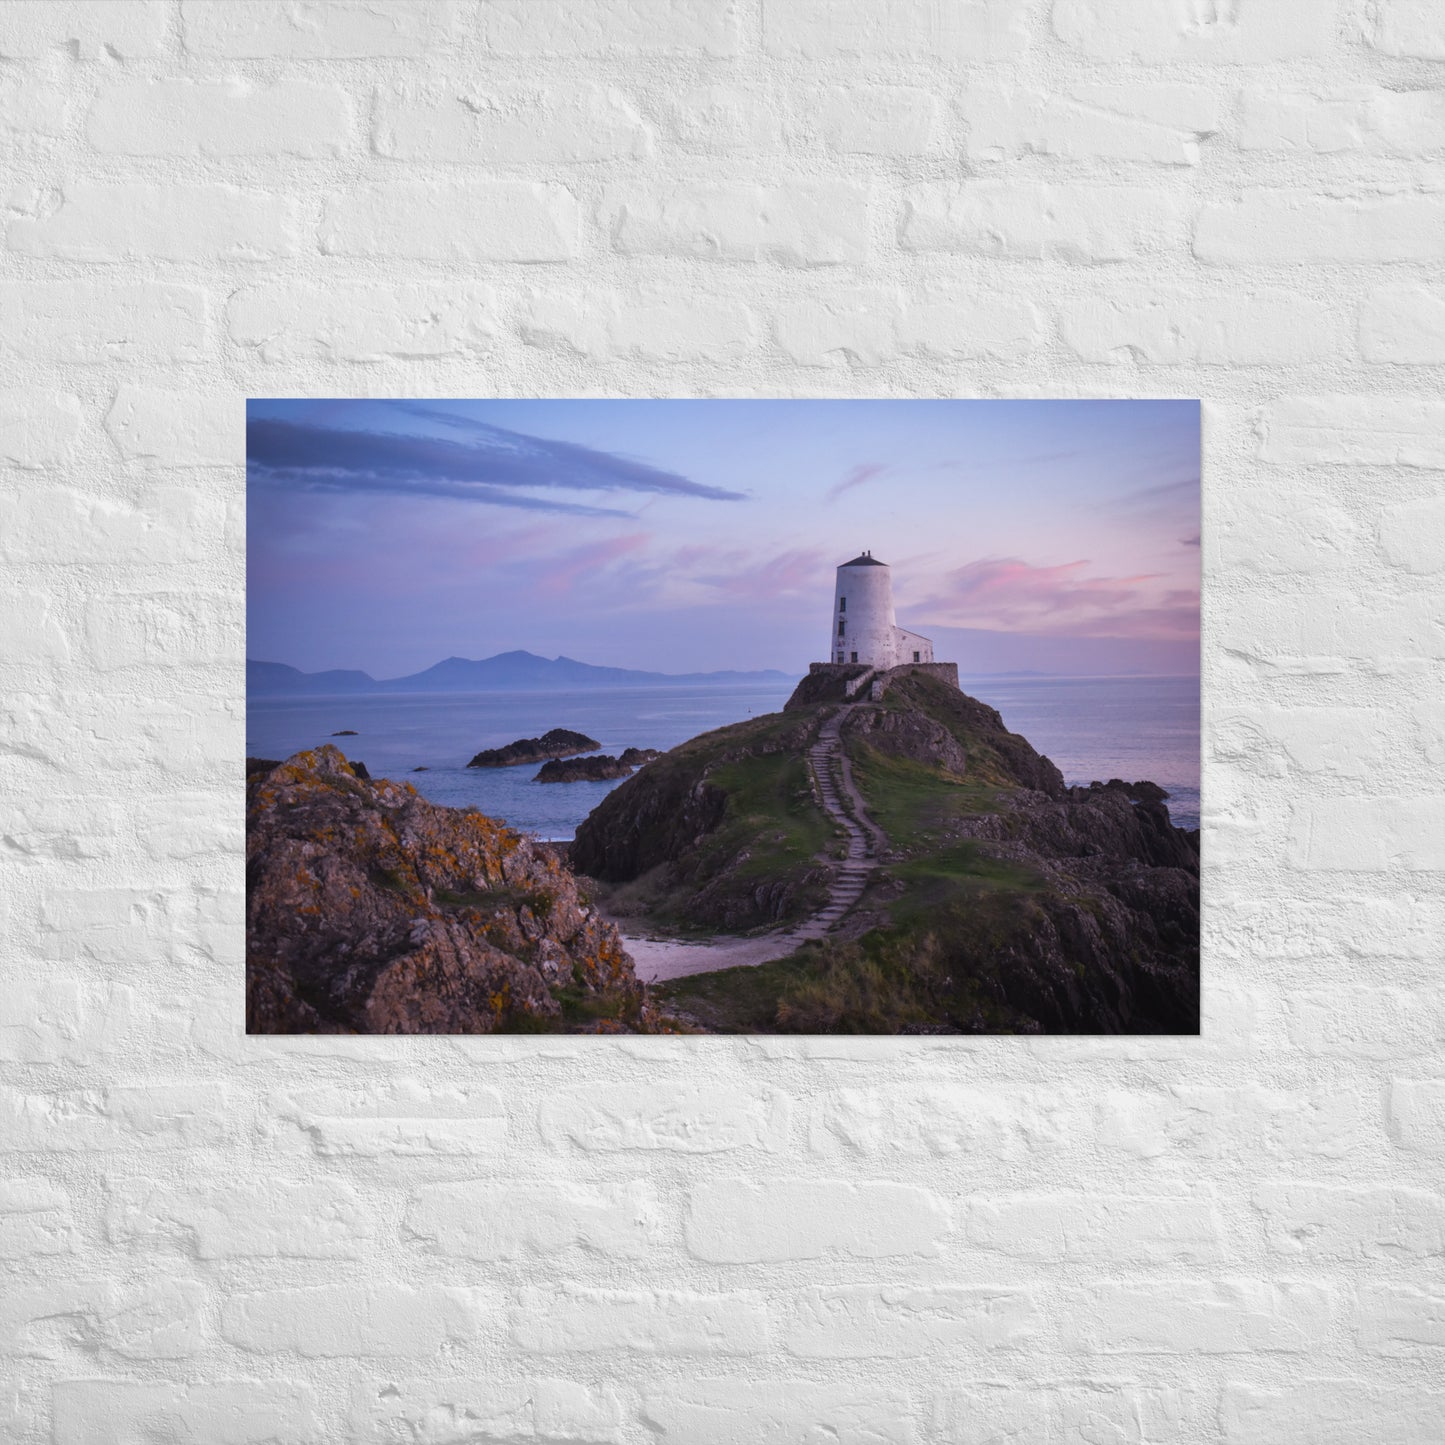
<point>864,628</point>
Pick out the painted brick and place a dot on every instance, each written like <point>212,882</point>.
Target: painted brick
<point>404,1119</point>
<point>1403,324</point>
<point>320,1219</point>
<point>245,1412</point>
<point>1330,1221</point>
<point>1276,225</point>
<point>970,31</point>
<point>176,429</point>
<point>951,323</point>
<point>879,120</point>
<point>484,1410</point>
<point>611,27</point>
<point>1228,1317</point>
<point>220,118</point>
<point>96,324</point>
<point>135,221</point>
<point>474,221</point>
<point>789,1412</point>
<point>1399,1319</point>
<point>1417,1115</point>
<point>37,427</point>
<point>31,106</point>
<point>1101,1227</point>
<point>153,1320</point>
<point>512,1220</point>
<point>1329,1411</point>
<point>35,1219</point>
<point>355,1320</point>
<point>289,322</point>
<point>724,119</point>
<point>941,1119</point>
<point>735,1222</point>
<point>570,124</point>
<point>566,1318</point>
<point>33,29</point>
<point>52,1020</point>
<point>1022,221</point>
<point>643,324</point>
<point>1412,28</point>
<point>1158,124</point>
<point>162,629</point>
<point>1368,1023</point>
<point>854,1322</point>
<point>320,29</point>
<point>1360,119</point>
<point>1369,834</point>
<point>1391,431</point>
<point>139,1117</point>
<point>163,525</point>
<point>1093,1410</point>
<point>1330,632</point>
<point>806,223</point>
<point>1175,326</point>
<point>676,1119</point>
<point>1246,32</point>
<point>1412,535</point>
<point>856,328</point>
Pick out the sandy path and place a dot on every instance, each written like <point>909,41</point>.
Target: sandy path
<point>662,958</point>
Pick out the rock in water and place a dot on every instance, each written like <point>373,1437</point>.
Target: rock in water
<point>371,910</point>
<point>602,769</point>
<point>635,757</point>
<point>558,743</point>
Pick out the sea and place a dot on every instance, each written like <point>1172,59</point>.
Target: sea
<point>1094,728</point>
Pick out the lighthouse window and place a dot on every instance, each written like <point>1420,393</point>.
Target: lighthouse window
<point>918,657</point>
<point>841,626</point>
<point>855,657</point>
<point>842,604</point>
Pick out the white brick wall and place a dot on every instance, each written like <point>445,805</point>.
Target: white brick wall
<point>223,1241</point>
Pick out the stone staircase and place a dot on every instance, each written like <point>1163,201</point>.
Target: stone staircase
<point>865,839</point>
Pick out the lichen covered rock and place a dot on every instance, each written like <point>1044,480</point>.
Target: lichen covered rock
<point>372,910</point>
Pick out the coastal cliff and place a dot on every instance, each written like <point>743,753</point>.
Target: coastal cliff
<point>371,910</point>
<point>1000,900</point>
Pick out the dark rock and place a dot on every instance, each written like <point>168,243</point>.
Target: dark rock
<point>371,910</point>
<point>422,769</point>
<point>600,769</point>
<point>261,765</point>
<point>558,743</point>
<point>347,733</point>
<point>635,757</point>
<point>359,768</point>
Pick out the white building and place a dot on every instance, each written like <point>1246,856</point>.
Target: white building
<point>864,629</point>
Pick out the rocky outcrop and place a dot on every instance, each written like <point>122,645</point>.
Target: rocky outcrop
<point>371,910</point>
<point>558,743</point>
<point>636,757</point>
<point>1004,901</point>
<point>600,769</point>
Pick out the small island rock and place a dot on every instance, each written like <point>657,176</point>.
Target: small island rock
<point>583,770</point>
<point>635,757</point>
<point>558,743</point>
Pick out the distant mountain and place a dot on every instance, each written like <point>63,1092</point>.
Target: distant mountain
<point>506,672</point>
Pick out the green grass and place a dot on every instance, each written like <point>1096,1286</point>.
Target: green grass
<point>913,803</point>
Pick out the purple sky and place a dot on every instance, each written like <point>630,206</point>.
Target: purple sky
<point>680,536</point>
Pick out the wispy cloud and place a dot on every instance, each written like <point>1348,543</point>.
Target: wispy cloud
<point>1007,594</point>
<point>860,474</point>
<point>490,465</point>
<point>784,575</point>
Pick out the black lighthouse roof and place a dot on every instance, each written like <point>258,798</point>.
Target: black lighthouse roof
<point>865,559</point>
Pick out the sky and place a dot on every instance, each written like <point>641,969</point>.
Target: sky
<point>691,536</point>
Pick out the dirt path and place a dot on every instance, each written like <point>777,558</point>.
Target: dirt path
<point>662,958</point>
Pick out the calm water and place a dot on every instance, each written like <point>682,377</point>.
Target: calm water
<point>1100,728</point>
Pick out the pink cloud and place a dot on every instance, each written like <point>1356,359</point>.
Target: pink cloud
<point>560,575</point>
<point>787,574</point>
<point>860,474</point>
<point>1007,594</point>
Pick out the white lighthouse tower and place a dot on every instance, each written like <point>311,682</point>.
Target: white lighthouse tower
<point>864,627</point>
